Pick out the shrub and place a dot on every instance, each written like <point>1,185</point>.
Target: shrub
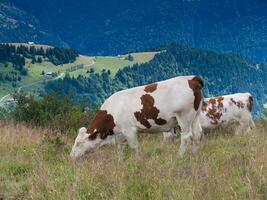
<point>53,111</point>
<point>39,60</point>
<point>24,71</point>
<point>130,58</point>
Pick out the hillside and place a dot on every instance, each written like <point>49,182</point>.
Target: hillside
<point>223,74</point>
<point>104,28</point>
<point>19,64</point>
<point>35,77</point>
<point>20,26</point>
<point>35,164</point>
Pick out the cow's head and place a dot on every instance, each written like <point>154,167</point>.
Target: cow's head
<point>99,132</point>
<point>83,144</point>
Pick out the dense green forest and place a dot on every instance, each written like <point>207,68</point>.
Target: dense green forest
<point>223,74</point>
<point>110,27</point>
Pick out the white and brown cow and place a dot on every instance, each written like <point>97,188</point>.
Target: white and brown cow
<point>224,110</point>
<point>151,108</point>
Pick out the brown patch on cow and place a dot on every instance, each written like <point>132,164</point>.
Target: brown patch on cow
<point>102,125</point>
<point>204,106</point>
<point>250,103</point>
<point>149,111</point>
<point>151,88</point>
<point>215,109</point>
<point>239,104</point>
<point>196,85</point>
<point>199,80</point>
<point>220,104</point>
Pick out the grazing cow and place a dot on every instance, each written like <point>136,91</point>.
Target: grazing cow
<point>151,108</point>
<point>224,110</point>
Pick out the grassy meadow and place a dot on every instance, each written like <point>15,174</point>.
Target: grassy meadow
<point>35,164</point>
<point>114,63</point>
<point>143,57</point>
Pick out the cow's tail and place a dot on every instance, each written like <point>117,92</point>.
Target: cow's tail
<point>196,84</point>
<point>199,80</point>
<point>201,85</point>
<point>250,108</point>
<point>250,103</point>
<point>197,129</point>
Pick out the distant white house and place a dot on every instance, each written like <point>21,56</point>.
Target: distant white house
<point>30,43</point>
<point>120,56</point>
<point>49,74</point>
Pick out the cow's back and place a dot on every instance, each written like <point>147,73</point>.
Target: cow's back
<point>151,105</point>
<point>222,110</point>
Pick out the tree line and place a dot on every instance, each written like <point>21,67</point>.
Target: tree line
<point>52,111</point>
<point>17,54</point>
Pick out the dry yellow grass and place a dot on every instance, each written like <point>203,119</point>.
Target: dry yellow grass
<point>34,164</point>
<point>144,57</point>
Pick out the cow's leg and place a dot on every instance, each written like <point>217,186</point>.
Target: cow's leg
<point>248,129</point>
<point>131,137</point>
<point>185,121</point>
<point>121,148</point>
<point>244,126</point>
<point>197,135</point>
<point>251,123</point>
<point>239,128</point>
<point>122,142</point>
<point>168,137</point>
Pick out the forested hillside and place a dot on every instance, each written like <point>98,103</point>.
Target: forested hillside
<point>16,25</point>
<point>115,26</point>
<point>13,60</point>
<point>223,74</point>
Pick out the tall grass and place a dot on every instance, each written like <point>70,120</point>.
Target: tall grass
<point>35,164</point>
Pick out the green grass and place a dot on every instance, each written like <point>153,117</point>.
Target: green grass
<point>110,63</point>
<point>36,69</point>
<point>35,166</point>
<point>5,89</point>
<point>113,63</point>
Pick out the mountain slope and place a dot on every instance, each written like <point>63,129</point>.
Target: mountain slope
<point>17,25</point>
<point>115,26</point>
